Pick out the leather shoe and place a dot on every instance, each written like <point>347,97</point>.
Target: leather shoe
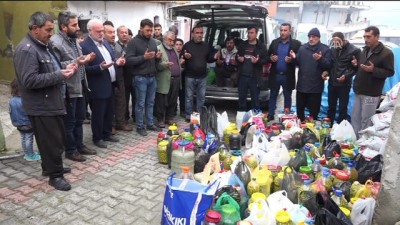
<point>153,128</point>
<point>113,131</point>
<point>100,144</point>
<point>87,151</point>
<point>111,139</point>
<point>124,128</point>
<point>76,156</point>
<point>141,131</point>
<point>65,170</point>
<point>170,122</point>
<point>161,124</point>
<point>270,118</point>
<point>60,183</point>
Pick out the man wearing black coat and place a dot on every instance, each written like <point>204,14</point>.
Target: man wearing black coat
<point>341,75</point>
<point>283,69</point>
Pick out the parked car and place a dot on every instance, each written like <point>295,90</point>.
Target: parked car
<point>223,19</point>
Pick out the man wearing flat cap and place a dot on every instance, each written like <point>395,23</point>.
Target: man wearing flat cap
<point>314,60</point>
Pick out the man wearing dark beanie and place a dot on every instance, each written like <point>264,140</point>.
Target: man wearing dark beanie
<point>314,60</point>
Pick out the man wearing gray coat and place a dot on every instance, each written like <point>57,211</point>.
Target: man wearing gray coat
<point>67,50</point>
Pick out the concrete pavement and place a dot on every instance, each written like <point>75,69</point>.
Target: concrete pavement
<point>123,184</point>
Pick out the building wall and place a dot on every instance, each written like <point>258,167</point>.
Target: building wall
<point>128,13</point>
<point>14,26</point>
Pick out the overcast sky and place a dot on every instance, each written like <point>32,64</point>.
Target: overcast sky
<point>383,12</point>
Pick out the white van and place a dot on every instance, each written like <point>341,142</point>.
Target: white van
<point>302,30</point>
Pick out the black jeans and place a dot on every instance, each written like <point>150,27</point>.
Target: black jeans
<point>336,93</point>
<point>248,83</point>
<point>310,100</point>
<point>50,138</point>
<point>73,124</point>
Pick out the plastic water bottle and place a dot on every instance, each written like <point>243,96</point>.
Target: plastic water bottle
<point>316,167</point>
<point>186,174</point>
<point>307,148</point>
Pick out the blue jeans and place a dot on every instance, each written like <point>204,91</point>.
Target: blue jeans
<point>280,80</point>
<point>197,86</point>
<point>27,142</point>
<point>145,91</point>
<point>244,84</point>
<point>73,124</point>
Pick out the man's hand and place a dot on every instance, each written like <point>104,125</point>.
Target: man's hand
<point>168,64</point>
<point>182,60</point>
<point>288,59</point>
<point>255,59</point>
<point>217,55</point>
<point>354,61</point>
<point>149,55</point>
<point>317,56</point>
<point>292,54</point>
<point>187,55</point>
<point>159,54</point>
<point>341,79</point>
<point>104,65</point>
<point>240,58</point>
<point>72,66</point>
<point>367,68</point>
<point>67,73</point>
<point>325,75</point>
<point>120,61</point>
<point>273,58</point>
<point>83,59</point>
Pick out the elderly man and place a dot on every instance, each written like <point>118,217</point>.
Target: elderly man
<point>67,49</point>
<point>168,81</point>
<point>313,59</point>
<point>101,76</point>
<point>375,64</point>
<point>41,82</point>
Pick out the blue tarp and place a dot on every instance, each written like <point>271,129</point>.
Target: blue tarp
<point>389,83</point>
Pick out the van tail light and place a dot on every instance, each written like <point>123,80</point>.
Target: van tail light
<point>265,70</point>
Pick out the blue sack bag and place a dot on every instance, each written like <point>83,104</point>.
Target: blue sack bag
<point>186,201</point>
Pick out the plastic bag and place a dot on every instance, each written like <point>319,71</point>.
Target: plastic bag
<point>309,136</point>
<point>290,183</point>
<point>296,142</point>
<point>223,122</point>
<point>258,120</point>
<point>300,159</point>
<point>331,148</point>
<point>244,131</point>
<point>369,169</point>
<point>260,213</point>
<point>243,172</point>
<point>329,213</point>
<point>239,119</point>
<point>382,120</point>
<point>362,211</point>
<point>260,141</point>
<point>277,154</point>
<point>278,201</point>
<point>201,160</point>
<point>344,131</point>
<point>229,209</point>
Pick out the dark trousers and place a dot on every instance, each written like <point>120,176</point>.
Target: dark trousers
<point>165,104</point>
<point>336,93</point>
<point>222,73</point>
<point>50,138</point>
<point>310,100</point>
<point>102,115</point>
<point>182,93</point>
<point>120,104</point>
<point>129,95</point>
<point>248,83</point>
<point>280,80</point>
<point>73,124</point>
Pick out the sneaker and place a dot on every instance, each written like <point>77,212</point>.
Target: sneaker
<point>32,157</point>
<point>141,131</point>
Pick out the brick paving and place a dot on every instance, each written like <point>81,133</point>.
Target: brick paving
<point>123,184</point>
